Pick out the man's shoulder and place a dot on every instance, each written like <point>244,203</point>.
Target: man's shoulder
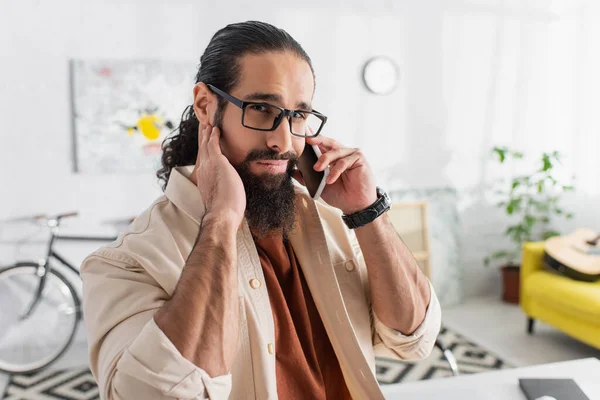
<point>153,248</point>
<point>161,228</point>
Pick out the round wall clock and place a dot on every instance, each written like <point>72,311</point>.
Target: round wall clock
<point>381,75</point>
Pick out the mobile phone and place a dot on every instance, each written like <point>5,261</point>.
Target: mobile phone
<point>315,181</point>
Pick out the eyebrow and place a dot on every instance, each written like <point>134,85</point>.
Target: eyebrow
<point>260,96</point>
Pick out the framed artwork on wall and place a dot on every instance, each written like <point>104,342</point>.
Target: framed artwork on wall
<point>122,110</point>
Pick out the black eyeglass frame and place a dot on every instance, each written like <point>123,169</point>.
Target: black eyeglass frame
<point>284,113</point>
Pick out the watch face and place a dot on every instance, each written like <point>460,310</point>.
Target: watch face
<point>382,193</point>
<point>381,75</point>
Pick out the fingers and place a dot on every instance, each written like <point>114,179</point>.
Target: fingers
<point>332,156</point>
<point>203,135</point>
<point>201,129</point>
<point>324,143</point>
<point>341,166</point>
<point>214,146</point>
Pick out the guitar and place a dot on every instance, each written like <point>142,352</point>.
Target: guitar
<point>576,255</point>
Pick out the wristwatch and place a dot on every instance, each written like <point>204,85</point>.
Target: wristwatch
<point>369,214</point>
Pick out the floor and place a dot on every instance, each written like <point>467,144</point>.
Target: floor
<point>76,356</point>
<point>501,328</point>
<point>495,325</point>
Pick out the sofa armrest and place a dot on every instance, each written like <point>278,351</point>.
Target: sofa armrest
<point>531,261</point>
<point>532,258</point>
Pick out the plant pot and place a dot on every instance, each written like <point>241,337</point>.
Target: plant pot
<point>511,283</point>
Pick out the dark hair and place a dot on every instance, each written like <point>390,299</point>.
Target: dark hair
<point>219,66</point>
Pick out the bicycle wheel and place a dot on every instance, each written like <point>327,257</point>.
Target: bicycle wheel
<point>27,345</point>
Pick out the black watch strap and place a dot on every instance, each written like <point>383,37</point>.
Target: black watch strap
<point>369,214</point>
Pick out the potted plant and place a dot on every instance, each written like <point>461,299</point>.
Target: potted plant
<point>530,202</point>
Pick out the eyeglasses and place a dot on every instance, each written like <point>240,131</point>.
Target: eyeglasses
<point>267,117</point>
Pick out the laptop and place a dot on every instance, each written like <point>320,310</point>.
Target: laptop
<point>560,389</point>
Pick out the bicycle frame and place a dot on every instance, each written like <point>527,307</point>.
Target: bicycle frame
<point>45,267</point>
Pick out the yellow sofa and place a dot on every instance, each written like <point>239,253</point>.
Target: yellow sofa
<point>569,305</point>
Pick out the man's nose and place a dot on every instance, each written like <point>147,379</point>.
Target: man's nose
<point>280,140</point>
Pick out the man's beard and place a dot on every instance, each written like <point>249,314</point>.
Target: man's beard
<point>270,198</point>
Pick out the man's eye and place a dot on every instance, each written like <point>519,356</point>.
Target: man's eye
<point>299,115</point>
<point>260,108</point>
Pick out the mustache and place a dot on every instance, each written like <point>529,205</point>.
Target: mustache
<point>268,154</point>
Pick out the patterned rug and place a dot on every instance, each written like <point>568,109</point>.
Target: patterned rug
<point>79,384</point>
<point>470,357</point>
<point>51,384</point>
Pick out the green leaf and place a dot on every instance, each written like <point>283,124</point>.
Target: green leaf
<point>517,154</point>
<point>515,233</point>
<point>509,256</point>
<point>515,183</point>
<point>540,186</point>
<point>501,151</point>
<point>568,188</point>
<point>533,201</point>
<point>545,220</point>
<point>513,205</point>
<point>510,208</point>
<point>546,162</point>
<point>498,254</point>
<point>549,234</point>
<point>559,211</point>
<point>530,221</point>
<point>569,216</point>
<point>557,156</point>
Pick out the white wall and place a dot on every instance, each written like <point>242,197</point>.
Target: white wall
<point>474,74</point>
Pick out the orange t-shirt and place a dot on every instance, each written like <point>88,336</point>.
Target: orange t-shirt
<point>306,364</point>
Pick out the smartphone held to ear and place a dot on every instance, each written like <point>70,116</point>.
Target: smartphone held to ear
<point>314,181</point>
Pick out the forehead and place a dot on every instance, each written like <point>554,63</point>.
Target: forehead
<point>281,73</point>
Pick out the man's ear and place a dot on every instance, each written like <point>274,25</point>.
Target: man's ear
<point>205,103</point>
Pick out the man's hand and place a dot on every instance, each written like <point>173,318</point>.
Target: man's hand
<point>218,182</point>
<point>350,184</point>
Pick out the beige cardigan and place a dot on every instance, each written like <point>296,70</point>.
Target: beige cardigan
<point>125,282</point>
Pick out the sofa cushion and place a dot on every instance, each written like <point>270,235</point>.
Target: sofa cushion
<point>580,299</point>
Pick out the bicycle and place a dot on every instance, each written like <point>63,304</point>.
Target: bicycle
<point>40,308</point>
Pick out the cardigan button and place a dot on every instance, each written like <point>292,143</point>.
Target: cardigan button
<point>271,348</point>
<point>255,283</point>
<point>350,266</point>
